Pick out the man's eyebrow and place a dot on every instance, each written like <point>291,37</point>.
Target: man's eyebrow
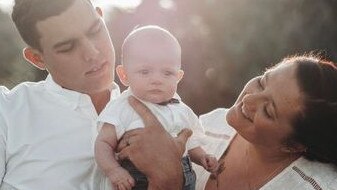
<point>65,42</point>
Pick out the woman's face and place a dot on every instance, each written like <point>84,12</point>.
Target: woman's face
<point>263,111</point>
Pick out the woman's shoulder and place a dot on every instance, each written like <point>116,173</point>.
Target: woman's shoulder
<point>316,173</point>
<point>303,174</point>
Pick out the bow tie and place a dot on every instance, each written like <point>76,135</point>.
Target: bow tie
<point>171,101</point>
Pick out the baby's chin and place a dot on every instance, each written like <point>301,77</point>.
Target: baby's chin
<point>156,100</point>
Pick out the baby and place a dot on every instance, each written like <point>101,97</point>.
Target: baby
<point>151,68</point>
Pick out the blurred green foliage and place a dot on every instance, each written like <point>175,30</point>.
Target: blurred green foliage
<point>224,42</point>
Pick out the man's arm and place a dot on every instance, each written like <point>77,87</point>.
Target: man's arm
<point>154,151</point>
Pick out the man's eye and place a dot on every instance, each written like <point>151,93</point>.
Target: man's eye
<point>66,48</point>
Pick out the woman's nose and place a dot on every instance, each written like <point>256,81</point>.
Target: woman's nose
<point>251,101</point>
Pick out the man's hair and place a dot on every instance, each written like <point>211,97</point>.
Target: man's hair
<point>26,13</point>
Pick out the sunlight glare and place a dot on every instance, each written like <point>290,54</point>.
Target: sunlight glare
<point>6,5</point>
<point>167,4</point>
<point>123,4</point>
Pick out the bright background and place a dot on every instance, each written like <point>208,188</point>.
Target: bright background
<point>224,42</point>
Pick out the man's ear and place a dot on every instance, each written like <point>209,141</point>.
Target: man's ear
<point>34,57</point>
<point>180,75</point>
<point>120,70</point>
<point>99,11</point>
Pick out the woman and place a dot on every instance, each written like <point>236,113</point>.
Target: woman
<point>280,121</point>
<point>281,133</point>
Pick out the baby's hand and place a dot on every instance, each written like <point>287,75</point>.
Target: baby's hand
<point>121,179</point>
<point>210,163</point>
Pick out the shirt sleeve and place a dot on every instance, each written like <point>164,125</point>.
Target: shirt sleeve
<point>198,136</point>
<point>119,114</point>
<point>3,132</point>
<point>2,149</point>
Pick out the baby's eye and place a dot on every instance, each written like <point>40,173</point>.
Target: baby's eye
<point>168,73</point>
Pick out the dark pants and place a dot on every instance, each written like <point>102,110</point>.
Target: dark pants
<point>141,180</point>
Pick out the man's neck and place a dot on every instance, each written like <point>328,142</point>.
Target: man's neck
<point>100,100</point>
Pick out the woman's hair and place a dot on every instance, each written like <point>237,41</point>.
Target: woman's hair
<point>316,126</point>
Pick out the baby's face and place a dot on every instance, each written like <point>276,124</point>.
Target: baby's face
<point>153,73</point>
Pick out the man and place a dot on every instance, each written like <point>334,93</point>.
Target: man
<point>47,129</point>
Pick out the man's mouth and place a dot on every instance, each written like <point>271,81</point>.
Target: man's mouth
<point>97,69</point>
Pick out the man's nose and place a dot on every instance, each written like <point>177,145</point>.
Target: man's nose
<point>90,51</point>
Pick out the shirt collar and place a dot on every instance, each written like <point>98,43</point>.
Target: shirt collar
<point>74,98</point>
<point>128,92</point>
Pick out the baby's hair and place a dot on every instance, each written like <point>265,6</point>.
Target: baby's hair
<point>152,32</point>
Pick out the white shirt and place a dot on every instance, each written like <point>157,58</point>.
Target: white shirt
<point>299,175</point>
<point>174,117</point>
<point>47,136</point>
<point>3,89</point>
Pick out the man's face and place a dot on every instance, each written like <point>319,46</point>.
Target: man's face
<point>77,49</point>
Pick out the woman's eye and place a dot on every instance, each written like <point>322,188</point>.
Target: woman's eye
<point>266,112</point>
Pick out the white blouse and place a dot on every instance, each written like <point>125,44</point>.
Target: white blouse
<point>302,174</point>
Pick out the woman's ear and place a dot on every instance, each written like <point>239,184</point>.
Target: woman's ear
<point>180,75</point>
<point>294,148</point>
<point>34,57</point>
<point>120,70</point>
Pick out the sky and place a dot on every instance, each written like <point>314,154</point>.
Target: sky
<point>6,5</point>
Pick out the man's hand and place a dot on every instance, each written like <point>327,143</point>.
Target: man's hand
<point>154,151</point>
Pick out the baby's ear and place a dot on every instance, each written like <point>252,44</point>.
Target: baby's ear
<point>120,70</point>
<point>180,75</point>
<point>34,57</point>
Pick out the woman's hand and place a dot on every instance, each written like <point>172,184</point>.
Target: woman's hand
<point>154,151</point>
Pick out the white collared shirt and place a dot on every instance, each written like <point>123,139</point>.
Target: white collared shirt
<point>174,117</point>
<point>47,136</point>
